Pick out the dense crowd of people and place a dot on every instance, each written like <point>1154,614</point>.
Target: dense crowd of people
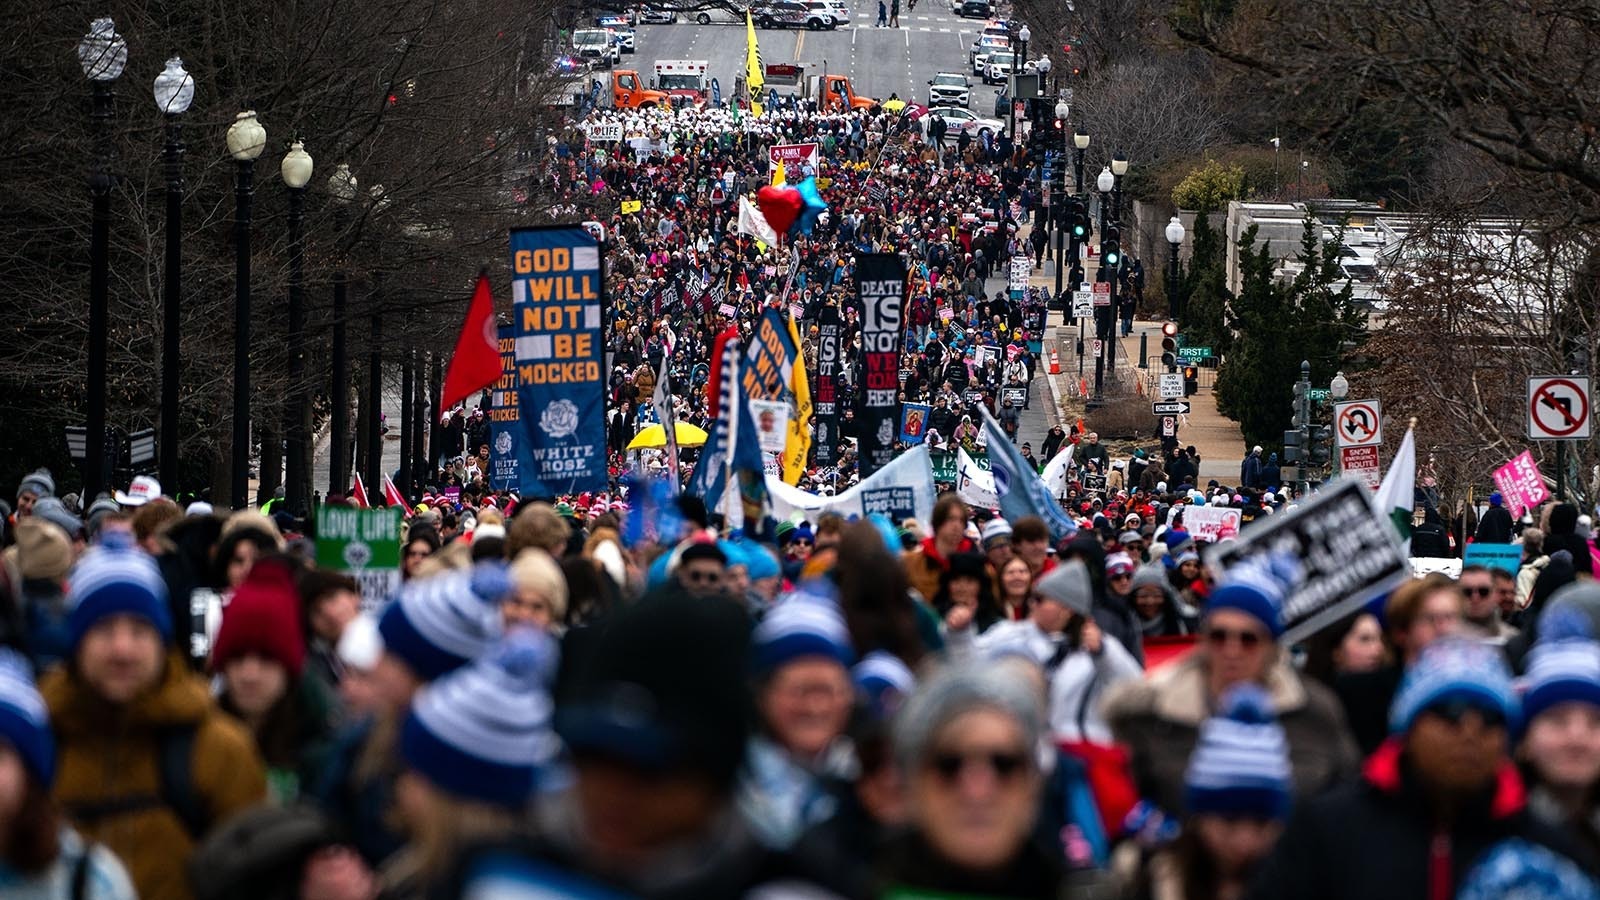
<point>605,696</point>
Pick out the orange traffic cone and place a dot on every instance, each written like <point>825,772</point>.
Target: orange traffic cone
<point>1055,361</point>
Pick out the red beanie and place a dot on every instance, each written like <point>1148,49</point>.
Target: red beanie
<point>263,617</point>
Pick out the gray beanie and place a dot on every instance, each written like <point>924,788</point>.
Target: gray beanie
<point>39,483</point>
<point>1151,576</point>
<point>1068,584</point>
<point>52,510</point>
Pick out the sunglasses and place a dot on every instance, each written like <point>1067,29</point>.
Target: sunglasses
<point>1218,637</point>
<point>695,577</point>
<point>801,543</point>
<point>949,766</point>
<point>1455,709</point>
<point>1120,576</point>
<point>1477,591</point>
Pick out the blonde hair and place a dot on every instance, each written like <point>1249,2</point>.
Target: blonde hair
<point>535,570</point>
<point>451,823</point>
<point>537,525</point>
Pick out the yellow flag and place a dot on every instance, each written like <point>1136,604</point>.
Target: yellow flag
<point>754,77</point>
<point>779,176</point>
<point>629,207</point>
<point>798,444</point>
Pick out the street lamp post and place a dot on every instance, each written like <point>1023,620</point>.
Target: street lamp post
<point>1080,143</point>
<point>246,139</point>
<point>174,91</point>
<point>1338,389</point>
<point>342,188</point>
<point>103,54</point>
<point>1119,168</point>
<point>296,170</point>
<point>1019,58</point>
<point>1104,183</point>
<point>1058,201</point>
<point>1175,241</point>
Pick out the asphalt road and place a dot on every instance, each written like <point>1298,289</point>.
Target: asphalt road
<point>879,61</point>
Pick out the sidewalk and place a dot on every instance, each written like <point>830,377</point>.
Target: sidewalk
<point>1216,437</point>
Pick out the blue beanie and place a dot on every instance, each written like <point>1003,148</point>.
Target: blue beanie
<point>24,721</point>
<point>483,732</point>
<point>116,579</point>
<point>1240,764</point>
<point>883,682</point>
<point>1563,667</point>
<point>1454,668</point>
<point>805,623</point>
<point>1258,588</point>
<point>1495,499</point>
<point>439,624</point>
<point>760,562</point>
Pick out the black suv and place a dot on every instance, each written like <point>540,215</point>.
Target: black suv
<point>975,9</point>
<point>789,14</point>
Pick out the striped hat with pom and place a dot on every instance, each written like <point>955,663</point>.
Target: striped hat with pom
<point>438,624</point>
<point>1240,765</point>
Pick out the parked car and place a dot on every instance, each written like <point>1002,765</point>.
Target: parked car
<point>975,9</point>
<point>623,38</point>
<point>978,53</point>
<point>836,8</point>
<point>958,120</point>
<point>791,14</point>
<point>949,89</point>
<point>658,16</point>
<point>719,15</point>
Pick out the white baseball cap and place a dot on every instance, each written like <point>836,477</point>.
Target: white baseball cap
<point>144,489</point>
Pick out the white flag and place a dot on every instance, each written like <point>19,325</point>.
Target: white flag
<point>1055,472</point>
<point>753,223</point>
<point>1396,496</point>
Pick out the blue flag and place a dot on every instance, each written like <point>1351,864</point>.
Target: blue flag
<point>1021,491</point>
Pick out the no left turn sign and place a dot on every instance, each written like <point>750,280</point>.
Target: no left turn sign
<point>1358,423</point>
<point>1558,408</point>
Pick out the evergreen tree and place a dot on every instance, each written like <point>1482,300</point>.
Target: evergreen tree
<point>1205,289</point>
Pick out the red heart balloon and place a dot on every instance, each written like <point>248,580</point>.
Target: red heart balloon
<point>781,206</point>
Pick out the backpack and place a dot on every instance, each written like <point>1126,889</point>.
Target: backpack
<point>175,790</point>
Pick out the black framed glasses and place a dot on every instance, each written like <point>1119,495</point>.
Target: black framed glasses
<point>949,765</point>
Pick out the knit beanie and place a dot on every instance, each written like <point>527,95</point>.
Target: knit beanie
<point>52,510</point>
<point>883,682</point>
<point>264,618</point>
<point>1257,587</point>
<point>111,579</point>
<point>39,483</point>
<point>996,533</point>
<point>438,624</point>
<point>804,623</point>
<point>43,552</point>
<point>1068,584</point>
<point>1454,668</point>
<point>484,732</point>
<point>1563,667</point>
<point>760,563</point>
<point>24,720</point>
<point>1240,764</point>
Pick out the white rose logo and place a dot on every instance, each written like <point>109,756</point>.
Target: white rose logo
<point>502,443</point>
<point>357,555</point>
<point>559,419</point>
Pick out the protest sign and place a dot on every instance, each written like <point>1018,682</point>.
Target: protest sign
<point>1521,484</point>
<point>772,423</point>
<point>1212,523</point>
<point>880,295</point>
<point>914,422</point>
<point>1345,553</point>
<point>885,490</point>
<point>505,418</point>
<point>827,396</point>
<point>1505,557</point>
<point>364,544</point>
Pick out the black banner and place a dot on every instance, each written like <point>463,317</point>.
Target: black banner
<point>825,390</point>
<point>881,292</point>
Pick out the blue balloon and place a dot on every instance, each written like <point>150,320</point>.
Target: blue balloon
<point>814,207</point>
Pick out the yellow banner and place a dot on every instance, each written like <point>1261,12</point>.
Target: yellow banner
<point>629,207</point>
<point>754,73</point>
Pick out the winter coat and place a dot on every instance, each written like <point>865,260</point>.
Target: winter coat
<point>924,565</point>
<point>103,875</point>
<point>1250,471</point>
<point>1377,838</point>
<point>1078,679</point>
<point>110,757</point>
<point>1495,526</point>
<point>1159,719</point>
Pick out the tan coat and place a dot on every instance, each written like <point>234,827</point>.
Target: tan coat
<point>106,753</point>
<point>1159,719</point>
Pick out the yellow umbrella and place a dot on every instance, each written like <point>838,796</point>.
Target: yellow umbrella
<point>654,437</point>
<point>894,106</point>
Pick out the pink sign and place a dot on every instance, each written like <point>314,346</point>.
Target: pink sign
<point>1520,484</point>
<point>1210,524</point>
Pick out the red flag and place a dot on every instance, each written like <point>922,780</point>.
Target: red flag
<point>359,493</point>
<point>476,362</point>
<point>714,385</point>
<point>392,495</point>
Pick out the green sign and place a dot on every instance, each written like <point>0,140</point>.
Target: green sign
<point>1194,352</point>
<point>945,464</point>
<point>364,544</point>
<point>1321,394</point>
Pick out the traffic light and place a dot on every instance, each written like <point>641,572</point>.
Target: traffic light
<point>1169,345</point>
<point>1292,451</point>
<point>1110,247</point>
<point>1319,449</point>
<point>1191,380</point>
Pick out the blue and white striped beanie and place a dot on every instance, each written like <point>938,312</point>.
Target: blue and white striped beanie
<point>1240,765</point>
<point>803,623</point>
<point>1563,667</point>
<point>484,732</point>
<point>439,624</point>
<point>116,578</point>
<point>1454,668</point>
<point>883,682</point>
<point>24,720</point>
